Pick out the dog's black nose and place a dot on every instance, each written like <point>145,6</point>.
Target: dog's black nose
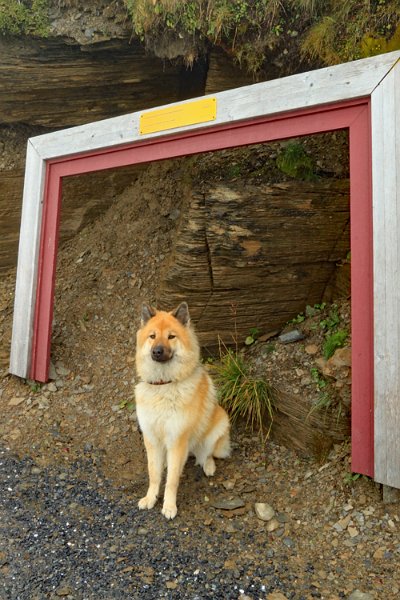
<point>160,353</point>
<point>157,352</point>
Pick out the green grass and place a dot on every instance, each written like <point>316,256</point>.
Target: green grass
<point>242,395</point>
<point>24,17</point>
<point>295,162</point>
<point>335,340</point>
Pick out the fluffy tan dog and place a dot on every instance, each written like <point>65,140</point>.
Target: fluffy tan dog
<point>176,402</point>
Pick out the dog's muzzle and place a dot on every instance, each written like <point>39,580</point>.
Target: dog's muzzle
<point>161,354</point>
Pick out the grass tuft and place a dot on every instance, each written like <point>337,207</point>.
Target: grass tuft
<point>242,395</point>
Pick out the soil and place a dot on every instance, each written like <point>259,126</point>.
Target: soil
<point>332,534</point>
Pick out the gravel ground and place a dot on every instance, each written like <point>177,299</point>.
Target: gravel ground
<point>67,537</point>
<point>268,526</point>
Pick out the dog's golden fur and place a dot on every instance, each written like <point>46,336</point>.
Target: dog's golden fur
<point>176,403</point>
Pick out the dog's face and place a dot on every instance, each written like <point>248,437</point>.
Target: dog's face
<point>166,345</point>
<point>164,333</point>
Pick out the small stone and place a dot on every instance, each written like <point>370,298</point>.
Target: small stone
<point>228,503</point>
<point>15,401</point>
<point>64,590</point>
<point>142,531</point>
<point>291,336</point>
<point>311,349</point>
<point>229,484</point>
<point>357,595</point>
<point>341,358</point>
<point>342,524</point>
<point>379,554</point>
<point>61,370</point>
<point>171,585</point>
<point>52,387</point>
<point>276,596</point>
<point>264,511</point>
<point>353,532</point>
<point>272,525</point>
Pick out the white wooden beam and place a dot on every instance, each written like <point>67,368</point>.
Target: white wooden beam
<point>385,109</point>
<point>315,88</point>
<point>25,290</point>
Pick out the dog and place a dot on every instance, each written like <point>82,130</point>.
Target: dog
<point>176,403</point>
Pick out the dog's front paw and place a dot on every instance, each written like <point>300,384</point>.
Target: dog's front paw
<point>209,467</point>
<point>147,502</point>
<point>169,511</point>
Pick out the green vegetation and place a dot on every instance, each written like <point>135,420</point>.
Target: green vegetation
<point>35,386</point>
<point>253,32</point>
<point>295,162</point>
<point>328,31</point>
<point>332,320</point>
<point>241,394</point>
<point>28,17</point>
<point>324,398</point>
<point>252,337</point>
<point>310,311</point>
<point>128,404</point>
<point>333,341</point>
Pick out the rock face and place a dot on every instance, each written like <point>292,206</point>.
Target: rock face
<point>258,253</point>
<point>54,84</point>
<point>51,83</point>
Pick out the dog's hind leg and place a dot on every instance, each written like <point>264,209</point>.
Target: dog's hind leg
<point>222,448</point>
<point>216,443</point>
<point>155,463</point>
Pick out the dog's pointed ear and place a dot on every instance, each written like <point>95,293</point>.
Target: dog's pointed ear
<point>181,313</point>
<point>147,313</point>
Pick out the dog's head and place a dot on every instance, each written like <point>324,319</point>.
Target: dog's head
<point>166,345</point>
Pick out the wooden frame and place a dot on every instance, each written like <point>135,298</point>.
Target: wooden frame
<point>363,97</point>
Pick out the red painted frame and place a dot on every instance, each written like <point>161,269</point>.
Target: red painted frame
<point>354,116</point>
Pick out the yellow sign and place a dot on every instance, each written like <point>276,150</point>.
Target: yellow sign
<point>178,115</point>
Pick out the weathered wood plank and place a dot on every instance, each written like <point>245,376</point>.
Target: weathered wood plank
<point>386,225</point>
<point>24,306</point>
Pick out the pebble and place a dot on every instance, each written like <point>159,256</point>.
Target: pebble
<point>229,484</point>
<point>264,511</point>
<point>228,503</point>
<point>357,595</point>
<point>291,336</point>
<point>273,525</point>
<point>64,591</point>
<point>16,401</point>
<point>311,349</point>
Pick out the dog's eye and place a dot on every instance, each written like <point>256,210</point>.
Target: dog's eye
<point>171,336</point>
<point>152,336</point>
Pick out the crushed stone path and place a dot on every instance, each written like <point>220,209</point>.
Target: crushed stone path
<point>68,532</point>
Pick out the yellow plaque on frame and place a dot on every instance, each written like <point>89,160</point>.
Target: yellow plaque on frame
<point>178,115</point>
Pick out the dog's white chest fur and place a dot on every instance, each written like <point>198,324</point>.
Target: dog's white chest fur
<point>163,410</point>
